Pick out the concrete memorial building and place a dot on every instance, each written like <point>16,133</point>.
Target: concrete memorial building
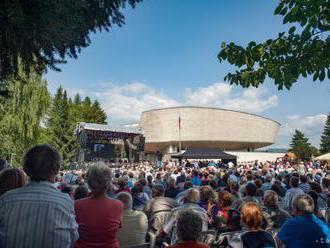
<point>167,128</point>
<point>163,131</point>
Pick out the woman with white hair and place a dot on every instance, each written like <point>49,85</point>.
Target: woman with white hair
<point>98,216</point>
<point>134,223</point>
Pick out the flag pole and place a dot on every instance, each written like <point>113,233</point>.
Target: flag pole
<point>180,134</point>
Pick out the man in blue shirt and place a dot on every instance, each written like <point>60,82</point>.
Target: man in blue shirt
<point>196,180</point>
<point>305,230</point>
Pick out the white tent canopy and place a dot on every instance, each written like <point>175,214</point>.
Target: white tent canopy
<point>324,157</point>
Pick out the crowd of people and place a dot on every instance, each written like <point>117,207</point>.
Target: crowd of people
<point>195,204</point>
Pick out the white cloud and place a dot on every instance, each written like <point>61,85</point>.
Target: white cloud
<point>222,95</point>
<point>311,126</point>
<point>214,94</point>
<point>126,102</point>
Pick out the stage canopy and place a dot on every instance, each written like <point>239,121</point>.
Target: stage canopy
<point>205,153</point>
<point>324,157</point>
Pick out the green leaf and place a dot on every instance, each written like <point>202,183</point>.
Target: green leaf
<point>291,30</point>
<point>329,73</point>
<point>287,18</point>
<point>283,11</point>
<point>278,9</point>
<point>316,75</point>
<point>322,75</point>
<point>304,74</point>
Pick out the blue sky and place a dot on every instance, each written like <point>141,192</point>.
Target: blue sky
<point>166,55</point>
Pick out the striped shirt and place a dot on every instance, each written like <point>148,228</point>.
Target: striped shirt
<point>37,216</point>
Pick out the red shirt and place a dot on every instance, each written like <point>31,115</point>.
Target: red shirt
<point>189,244</point>
<point>99,222</point>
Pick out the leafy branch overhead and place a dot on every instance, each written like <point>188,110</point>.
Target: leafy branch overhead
<point>40,34</point>
<point>301,51</point>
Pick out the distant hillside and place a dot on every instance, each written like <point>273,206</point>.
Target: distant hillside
<point>273,150</point>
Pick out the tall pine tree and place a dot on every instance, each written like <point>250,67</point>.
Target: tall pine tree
<point>98,115</point>
<point>88,111</point>
<point>300,146</point>
<point>77,99</point>
<point>60,127</point>
<point>325,138</point>
<point>86,106</point>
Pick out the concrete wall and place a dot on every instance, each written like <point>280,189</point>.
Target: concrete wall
<point>226,129</point>
<point>252,156</point>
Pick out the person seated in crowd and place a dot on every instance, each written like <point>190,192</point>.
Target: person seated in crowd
<point>326,189</point>
<point>254,237</point>
<point>145,187</point>
<point>189,227</point>
<point>139,197</point>
<point>227,219</point>
<point>80,192</point>
<point>191,201</point>
<point>250,196</point>
<point>321,201</point>
<point>131,180</point>
<point>234,190</point>
<point>267,184</point>
<point>205,178</point>
<point>134,224</point>
<point>305,230</point>
<point>171,190</point>
<point>275,215</point>
<point>70,177</point>
<point>179,197</point>
<point>304,185</point>
<point>98,216</point>
<point>278,188</point>
<point>181,178</point>
<point>150,182</point>
<point>214,185</point>
<point>196,181</point>
<point>158,208</point>
<point>11,179</point>
<point>208,199</point>
<point>314,196</point>
<point>40,215</point>
<point>245,180</point>
<point>292,193</point>
<point>258,184</point>
<point>122,185</point>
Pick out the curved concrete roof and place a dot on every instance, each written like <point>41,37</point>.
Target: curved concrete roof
<point>210,127</point>
<point>201,107</point>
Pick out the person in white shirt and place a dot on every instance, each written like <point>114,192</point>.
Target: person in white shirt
<point>134,225</point>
